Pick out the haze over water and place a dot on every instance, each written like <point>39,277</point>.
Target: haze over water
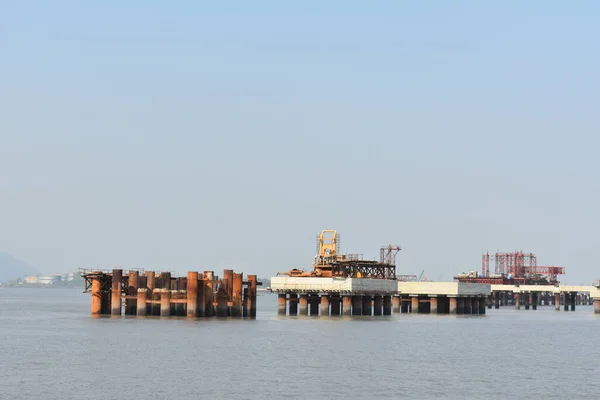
<point>51,348</point>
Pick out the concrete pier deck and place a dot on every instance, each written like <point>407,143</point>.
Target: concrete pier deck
<point>365,296</point>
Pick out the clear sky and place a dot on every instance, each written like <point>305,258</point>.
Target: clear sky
<point>210,135</point>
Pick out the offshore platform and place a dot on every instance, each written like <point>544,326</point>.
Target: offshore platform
<point>329,262</point>
<point>516,268</point>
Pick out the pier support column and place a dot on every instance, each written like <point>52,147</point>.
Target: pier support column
<point>347,305</point>
<point>433,301</point>
<point>482,301</point>
<point>236,301</point>
<point>460,305</point>
<point>252,285</point>
<point>165,302</point>
<point>335,303</point>
<point>573,300</point>
<point>142,295</point>
<point>534,300</point>
<point>566,301</point>
<point>557,301</point>
<point>404,304</point>
<point>490,301</point>
<point>468,309</point>
<point>596,306</point>
<point>414,305</point>
<point>115,298</point>
<point>453,305</point>
<point>527,299</point>
<point>517,297</point>
<point>324,308</point>
<point>281,300</point>
<point>96,297</point>
<point>314,302</point>
<point>151,285</point>
<point>387,305</point>
<point>293,304</point>
<point>222,297</point>
<point>303,304</point>
<point>209,310</point>
<point>396,304</point>
<point>475,305</point>
<point>367,306</point>
<point>377,305</point>
<point>356,305</point>
<point>192,294</point>
<point>131,290</point>
<point>496,300</point>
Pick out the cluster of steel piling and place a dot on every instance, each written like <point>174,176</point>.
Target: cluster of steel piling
<point>159,294</point>
<point>531,300</point>
<point>336,304</point>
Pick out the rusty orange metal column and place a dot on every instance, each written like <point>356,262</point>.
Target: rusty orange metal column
<point>303,304</point>
<point>209,310</point>
<point>433,301</point>
<point>116,288</point>
<point>252,296</point>
<point>236,302</point>
<point>347,305</point>
<point>414,304</point>
<point>596,306</point>
<point>377,305</point>
<point>192,294</point>
<point>132,287</point>
<point>293,304</point>
<point>517,297</point>
<point>142,295</point>
<point>281,300</point>
<point>151,285</point>
<point>228,281</point>
<point>557,301</point>
<point>201,295</point>
<point>453,305</point>
<point>396,304</point>
<point>324,308</point>
<point>222,298</point>
<point>96,297</point>
<point>165,302</point>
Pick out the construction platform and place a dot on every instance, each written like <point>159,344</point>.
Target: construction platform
<point>148,293</point>
<point>345,284</point>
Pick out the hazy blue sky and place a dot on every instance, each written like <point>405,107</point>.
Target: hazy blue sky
<point>197,135</point>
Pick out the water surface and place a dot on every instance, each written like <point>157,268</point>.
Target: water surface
<point>51,348</point>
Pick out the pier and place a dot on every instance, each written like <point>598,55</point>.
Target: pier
<point>142,294</point>
<point>531,296</point>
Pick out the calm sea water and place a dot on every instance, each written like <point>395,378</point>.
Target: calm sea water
<point>51,348</point>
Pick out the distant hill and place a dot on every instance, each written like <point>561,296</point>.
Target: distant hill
<point>11,268</point>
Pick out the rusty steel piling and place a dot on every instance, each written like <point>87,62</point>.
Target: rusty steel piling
<point>142,295</point>
<point>115,299</point>
<point>159,294</point>
<point>192,294</point>
<point>236,301</point>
